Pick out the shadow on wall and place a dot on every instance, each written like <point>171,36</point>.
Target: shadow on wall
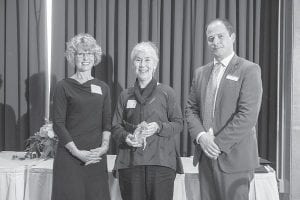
<point>7,125</point>
<point>104,72</point>
<point>31,121</point>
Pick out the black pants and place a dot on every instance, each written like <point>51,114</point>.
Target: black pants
<point>147,183</point>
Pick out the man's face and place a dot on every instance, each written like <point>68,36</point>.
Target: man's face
<point>219,40</point>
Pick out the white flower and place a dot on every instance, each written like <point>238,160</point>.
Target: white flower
<point>50,133</point>
<point>47,130</point>
<point>42,132</point>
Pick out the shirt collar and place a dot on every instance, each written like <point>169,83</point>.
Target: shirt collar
<point>226,60</point>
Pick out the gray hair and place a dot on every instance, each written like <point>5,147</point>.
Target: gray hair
<point>82,41</point>
<point>148,47</point>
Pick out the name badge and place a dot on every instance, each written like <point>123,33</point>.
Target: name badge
<point>233,78</point>
<point>131,104</point>
<point>96,89</point>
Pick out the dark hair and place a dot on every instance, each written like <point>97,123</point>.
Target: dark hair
<point>226,23</point>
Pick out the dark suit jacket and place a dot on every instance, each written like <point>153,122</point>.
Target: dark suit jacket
<point>235,116</point>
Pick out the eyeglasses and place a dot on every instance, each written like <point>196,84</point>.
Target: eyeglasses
<point>143,60</point>
<point>81,55</point>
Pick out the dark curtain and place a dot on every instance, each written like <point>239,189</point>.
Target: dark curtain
<point>178,29</point>
<point>267,123</point>
<point>22,84</point>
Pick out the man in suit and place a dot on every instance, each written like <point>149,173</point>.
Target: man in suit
<point>221,114</point>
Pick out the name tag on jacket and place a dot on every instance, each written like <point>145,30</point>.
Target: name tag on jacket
<point>96,89</point>
<point>233,78</point>
<point>131,104</point>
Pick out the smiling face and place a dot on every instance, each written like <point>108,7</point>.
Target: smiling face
<point>144,65</point>
<point>219,40</point>
<point>84,60</point>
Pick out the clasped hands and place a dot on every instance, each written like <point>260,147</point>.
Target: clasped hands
<point>143,130</point>
<point>90,157</point>
<point>209,147</point>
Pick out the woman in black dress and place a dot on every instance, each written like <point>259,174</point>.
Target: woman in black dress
<point>82,121</point>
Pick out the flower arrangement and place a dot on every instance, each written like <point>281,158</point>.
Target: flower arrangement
<point>43,143</point>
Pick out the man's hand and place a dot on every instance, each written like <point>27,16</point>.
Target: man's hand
<point>208,145</point>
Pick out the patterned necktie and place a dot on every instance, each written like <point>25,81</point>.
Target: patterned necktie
<point>211,91</point>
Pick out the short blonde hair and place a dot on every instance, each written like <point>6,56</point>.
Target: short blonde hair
<point>82,41</point>
<point>148,47</point>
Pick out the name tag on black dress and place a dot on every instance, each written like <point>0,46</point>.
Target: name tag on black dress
<point>96,89</point>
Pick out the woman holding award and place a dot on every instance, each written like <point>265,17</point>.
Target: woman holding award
<point>146,119</point>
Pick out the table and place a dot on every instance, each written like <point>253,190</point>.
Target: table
<point>32,180</point>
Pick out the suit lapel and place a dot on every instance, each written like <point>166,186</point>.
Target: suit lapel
<point>204,83</point>
<point>202,93</point>
<point>232,66</point>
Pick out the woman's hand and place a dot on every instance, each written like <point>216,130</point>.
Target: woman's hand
<point>98,152</point>
<point>150,129</point>
<point>131,141</point>
<point>95,155</point>
<point>86,156</point>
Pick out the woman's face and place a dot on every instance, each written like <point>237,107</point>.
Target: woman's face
<point>84,60</point>
<point>144,65</point>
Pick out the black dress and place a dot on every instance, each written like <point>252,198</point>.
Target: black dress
<point>81,112</point>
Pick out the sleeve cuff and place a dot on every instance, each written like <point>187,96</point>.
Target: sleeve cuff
<point>198,136</point>
<point>159,127</point>
<point>124,136</point>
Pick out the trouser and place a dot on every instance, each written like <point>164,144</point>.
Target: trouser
<point>218,185</point>
<point>147,183</point>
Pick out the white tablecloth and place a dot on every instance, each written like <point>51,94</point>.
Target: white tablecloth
<point>32,180</point>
